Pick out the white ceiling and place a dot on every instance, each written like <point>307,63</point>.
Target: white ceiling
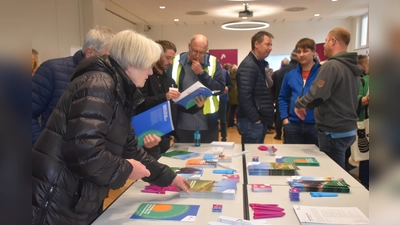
<point>221,11</point>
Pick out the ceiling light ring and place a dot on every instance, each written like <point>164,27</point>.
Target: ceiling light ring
<point>257,25</point>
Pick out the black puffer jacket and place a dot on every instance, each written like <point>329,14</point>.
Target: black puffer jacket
<point>254,97</point>
<point>81,153</point>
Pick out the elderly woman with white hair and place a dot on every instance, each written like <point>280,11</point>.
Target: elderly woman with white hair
<point>89,145</point>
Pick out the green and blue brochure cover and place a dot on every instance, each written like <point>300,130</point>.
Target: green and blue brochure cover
<point>157,120</point>
<point>299,161</point>
<point>171,212</point>
<point>187,97</point>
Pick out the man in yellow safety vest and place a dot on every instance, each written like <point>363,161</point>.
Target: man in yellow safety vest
<point>188,68</point>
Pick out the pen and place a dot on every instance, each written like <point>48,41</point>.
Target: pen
<point>228,167</point>
<point>241,153</point>
<point>223,171</point>
<point>322,194</point>
<point>153,191</point>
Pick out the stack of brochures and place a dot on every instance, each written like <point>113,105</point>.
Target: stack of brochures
<point>206,150</point>
<point>231,177</point>
<point>299,161</point>
<point>261,188</point>
<point>272,168</point>
<point>188,172</point>
<point>319,184</point>
<point>210,189</point>
<point>208,163</point>
<point>220,158</point>
<point>223,144</point>
<point>179,154</point>
<point>317,215</point>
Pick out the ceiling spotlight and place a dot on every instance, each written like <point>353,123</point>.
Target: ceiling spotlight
<point>176,20</point>
<point>334,0</point>
<point>316,14</point>
<point>244,17</point>
<point>245,25</point>
<point>162,6</point>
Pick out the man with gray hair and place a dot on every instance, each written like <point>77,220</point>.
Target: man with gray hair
<point>53,76</point>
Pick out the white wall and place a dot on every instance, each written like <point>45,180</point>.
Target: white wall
<point>64,25</point>
<point>286,35</point>
<point>60,24</point>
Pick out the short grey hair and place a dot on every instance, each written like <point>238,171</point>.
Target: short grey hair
<point>97,38</point>
<point>129,48</point>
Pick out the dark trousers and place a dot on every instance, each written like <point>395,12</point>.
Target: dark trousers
<point>231,115</point>
<point>207,136</point>
<point>251,132</point>
<point>223,106</point>
<point>278,122</point>
<point>364,173</point>
<point>300,133</point>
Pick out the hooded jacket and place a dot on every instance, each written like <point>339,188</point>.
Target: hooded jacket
<point>81,152</point>
<point>292,88</point>
<point>334,94</point>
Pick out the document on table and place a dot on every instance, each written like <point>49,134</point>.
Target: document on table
<point>316,215</point>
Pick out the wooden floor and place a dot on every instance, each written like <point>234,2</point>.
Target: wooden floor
<point>233,135</point>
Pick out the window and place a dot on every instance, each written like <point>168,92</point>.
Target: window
<point>364,31</point>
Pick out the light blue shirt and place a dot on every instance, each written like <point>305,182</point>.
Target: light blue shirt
<point>342,134</point>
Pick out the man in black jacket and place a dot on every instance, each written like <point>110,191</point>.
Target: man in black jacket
<point>255,110</point>
<point>277,77</point>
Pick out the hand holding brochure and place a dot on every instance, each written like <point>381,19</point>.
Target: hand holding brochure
<point>157,120</point>
<point>187,96</point>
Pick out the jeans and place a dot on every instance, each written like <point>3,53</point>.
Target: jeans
<point>223,106</point>
<point>335,148</point>
<point>251,132</point>
<point>300,133</point>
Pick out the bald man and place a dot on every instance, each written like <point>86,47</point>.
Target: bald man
<point>188,68</point>
<point>334,95</point>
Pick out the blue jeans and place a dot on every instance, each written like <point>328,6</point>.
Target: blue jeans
<point>335,148</point>
<point>251,133</point>
<point>300,133</point>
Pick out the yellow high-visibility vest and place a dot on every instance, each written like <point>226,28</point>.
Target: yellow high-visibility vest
<point>211,105</point>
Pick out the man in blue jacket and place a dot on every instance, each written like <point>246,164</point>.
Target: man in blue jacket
<point>53,76</point>
<point>296,83</point>
<point>255,110</point>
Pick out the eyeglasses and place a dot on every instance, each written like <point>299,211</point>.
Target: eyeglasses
<point>194,51</point>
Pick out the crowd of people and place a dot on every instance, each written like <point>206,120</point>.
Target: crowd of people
<point>83,142</point>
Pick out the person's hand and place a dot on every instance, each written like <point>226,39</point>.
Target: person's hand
<point>151,140</point>
<point>258,122</point>
<point>181,183</point>
<point>139,170</point>
<point>196,67</point>
<point>172,93</point>
<point>226,89</point>
<point>285,121</point>
<point>300,112</point>
<point>200,101</point>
